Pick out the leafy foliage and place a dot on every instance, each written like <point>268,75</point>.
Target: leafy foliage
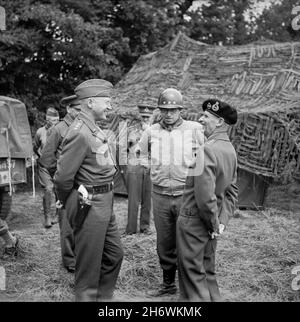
<point>50,46</point>
<point>45,52</point>
<point>276,22</point>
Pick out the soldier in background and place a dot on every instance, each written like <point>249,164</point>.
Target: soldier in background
<point>173,144</point>
<point>137,177</point>
<point>86,164</point>
<point>48,160</point>
<point>208,201</point>
<point>52,118</point>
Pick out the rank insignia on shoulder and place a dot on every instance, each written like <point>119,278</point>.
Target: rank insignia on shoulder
<point>78,124</point>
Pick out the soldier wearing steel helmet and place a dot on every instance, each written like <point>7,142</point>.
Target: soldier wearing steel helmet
<point>173,144</point>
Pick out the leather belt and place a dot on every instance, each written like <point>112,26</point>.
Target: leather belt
<point>167,190</point>
<point>98,189</point>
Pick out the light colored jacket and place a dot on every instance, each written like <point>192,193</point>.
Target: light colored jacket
<point>173,150</point>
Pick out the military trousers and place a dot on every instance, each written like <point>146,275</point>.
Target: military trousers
<point>46,182</point>
<point>139,192</point>
<point>196,261</point>
<point>67,243</point>
<point>165,211</point>
<point>98,249</point>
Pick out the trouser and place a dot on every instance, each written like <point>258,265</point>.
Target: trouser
<point>166,210</point>
<point>139,191</point>
<point>66,239</point>
<point>196,261</point>
<point>47,185</point>
<point>98,248</point>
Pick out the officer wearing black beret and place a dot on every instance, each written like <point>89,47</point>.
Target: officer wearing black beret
<point>208,201</point>
<point>86,164</point>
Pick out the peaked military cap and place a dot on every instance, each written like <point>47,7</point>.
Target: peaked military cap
<point>146,109</point>
<point>221,109</point>
<point>71,101</point>
<point>93,88</point>
<point>52,112</point>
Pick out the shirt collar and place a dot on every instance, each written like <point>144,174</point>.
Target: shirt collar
<point>173,126</point>
<point>218,135</point>
<point>69,119</point>
<point>90,123</point>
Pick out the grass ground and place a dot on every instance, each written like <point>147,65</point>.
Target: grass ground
<point>255,255</point>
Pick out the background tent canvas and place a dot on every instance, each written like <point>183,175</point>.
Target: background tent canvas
<point>261,80</point>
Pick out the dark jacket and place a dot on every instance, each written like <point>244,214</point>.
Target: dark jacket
<point>85,158</point>
<point>213,193</point>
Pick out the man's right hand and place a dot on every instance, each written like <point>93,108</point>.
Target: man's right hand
<point>58,204</point>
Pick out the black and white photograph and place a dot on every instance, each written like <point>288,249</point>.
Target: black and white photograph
<point>150,153</point>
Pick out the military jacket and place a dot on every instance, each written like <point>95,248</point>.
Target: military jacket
<point>40,138</point>
<point>52,148</point>
<point>85,158</point>
<point>212,193</point>
<point>173,150</point>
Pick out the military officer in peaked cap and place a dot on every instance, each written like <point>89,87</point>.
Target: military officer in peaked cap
<point>50,155</point>
<point>137,177</point>
<point>208,201</point>
<point>86,163</point>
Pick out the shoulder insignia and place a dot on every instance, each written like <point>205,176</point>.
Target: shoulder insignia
<point>78,124</point>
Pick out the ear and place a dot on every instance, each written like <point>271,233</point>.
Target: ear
<point>221,121</point>
<point>90,102</point>
<point>68,109</point>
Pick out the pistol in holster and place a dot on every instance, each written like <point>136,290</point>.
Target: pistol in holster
<point>84,206</point>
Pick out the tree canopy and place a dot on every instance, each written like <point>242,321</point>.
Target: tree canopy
<point>50,46</point>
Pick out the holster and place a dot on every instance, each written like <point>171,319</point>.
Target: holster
<point>83,210</point>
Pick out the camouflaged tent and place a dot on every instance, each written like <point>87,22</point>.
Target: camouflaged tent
<point>262,80</point>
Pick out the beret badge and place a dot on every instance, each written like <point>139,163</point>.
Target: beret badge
<point>215,107</point>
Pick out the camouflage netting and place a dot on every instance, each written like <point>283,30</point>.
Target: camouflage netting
<point>261,80</point>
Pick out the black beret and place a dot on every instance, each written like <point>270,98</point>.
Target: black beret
<point>221,109</point>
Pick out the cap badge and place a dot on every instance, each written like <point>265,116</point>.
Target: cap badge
<point>215,107</point>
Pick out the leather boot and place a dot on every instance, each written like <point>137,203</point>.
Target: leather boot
<point>47,223</point>
<point>168,287</point>
<point>55,219</point>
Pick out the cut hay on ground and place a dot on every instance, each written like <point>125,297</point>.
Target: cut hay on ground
<point>255,257</point>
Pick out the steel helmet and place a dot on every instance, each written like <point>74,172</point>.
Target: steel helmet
<point>170,98</point>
